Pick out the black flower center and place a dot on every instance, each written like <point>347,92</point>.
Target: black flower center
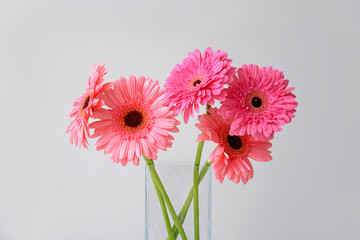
<point>196,82</point>
<point>234,142</point>
<point>256,102</point>
<point>86,103</point>
<point>133,119</point>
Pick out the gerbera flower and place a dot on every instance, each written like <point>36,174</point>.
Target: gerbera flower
<point>231,157</point>
<point>138,121</point>
<point>259,102</point>
<point>84,105</point>
<point>198,80</point>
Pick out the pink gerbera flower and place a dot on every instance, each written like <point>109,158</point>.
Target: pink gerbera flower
<point>231,157</point>
<point>138,121</point>
<point>84,106</point>
<point>259,102</point>
<point>198,80</point>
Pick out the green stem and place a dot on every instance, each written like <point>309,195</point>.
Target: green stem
<point>196,185</point>
<point>188,200</point>
<point>196,189</point>
<point>157,181</point>
<point>164,211</point>
<point>194,192</point>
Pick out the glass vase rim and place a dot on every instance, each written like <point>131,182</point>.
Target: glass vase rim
<point>176,163</point>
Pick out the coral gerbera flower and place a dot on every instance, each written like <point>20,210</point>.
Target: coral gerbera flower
<point>231,157</point>
<point>84,106</point>
<point>198,80</point>
<point>259,102</point>
<point>137,123</point>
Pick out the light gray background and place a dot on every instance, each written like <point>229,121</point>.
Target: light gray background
<point>49,189</point>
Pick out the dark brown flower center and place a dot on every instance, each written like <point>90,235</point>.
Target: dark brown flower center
<point>256,102</point>
<point>133,119</point>
<point>86,103</point>
<point>234,142</point>
<point>196,82</point>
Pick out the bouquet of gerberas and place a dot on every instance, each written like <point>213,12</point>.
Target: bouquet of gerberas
<point>136,118</point>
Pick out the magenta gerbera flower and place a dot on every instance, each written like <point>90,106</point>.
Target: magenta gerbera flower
<point>198,80</point>
<point>259,102</point>
<point>84,106</point>
<point>231,157</point>
<point>138,122</point>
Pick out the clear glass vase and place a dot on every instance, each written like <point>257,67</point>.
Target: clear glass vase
<point>177,179</point>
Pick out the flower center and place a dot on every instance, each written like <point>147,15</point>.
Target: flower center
<point>86,102</point>
<point>256,102</point>
<point>196,82</point>
<point>133,119</point>
<point>234,142</point>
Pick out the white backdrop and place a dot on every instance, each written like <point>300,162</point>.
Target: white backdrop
<point>49,189</point>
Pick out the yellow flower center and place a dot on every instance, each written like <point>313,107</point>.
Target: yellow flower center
<point>234,145</point>
<point>133,119</point>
